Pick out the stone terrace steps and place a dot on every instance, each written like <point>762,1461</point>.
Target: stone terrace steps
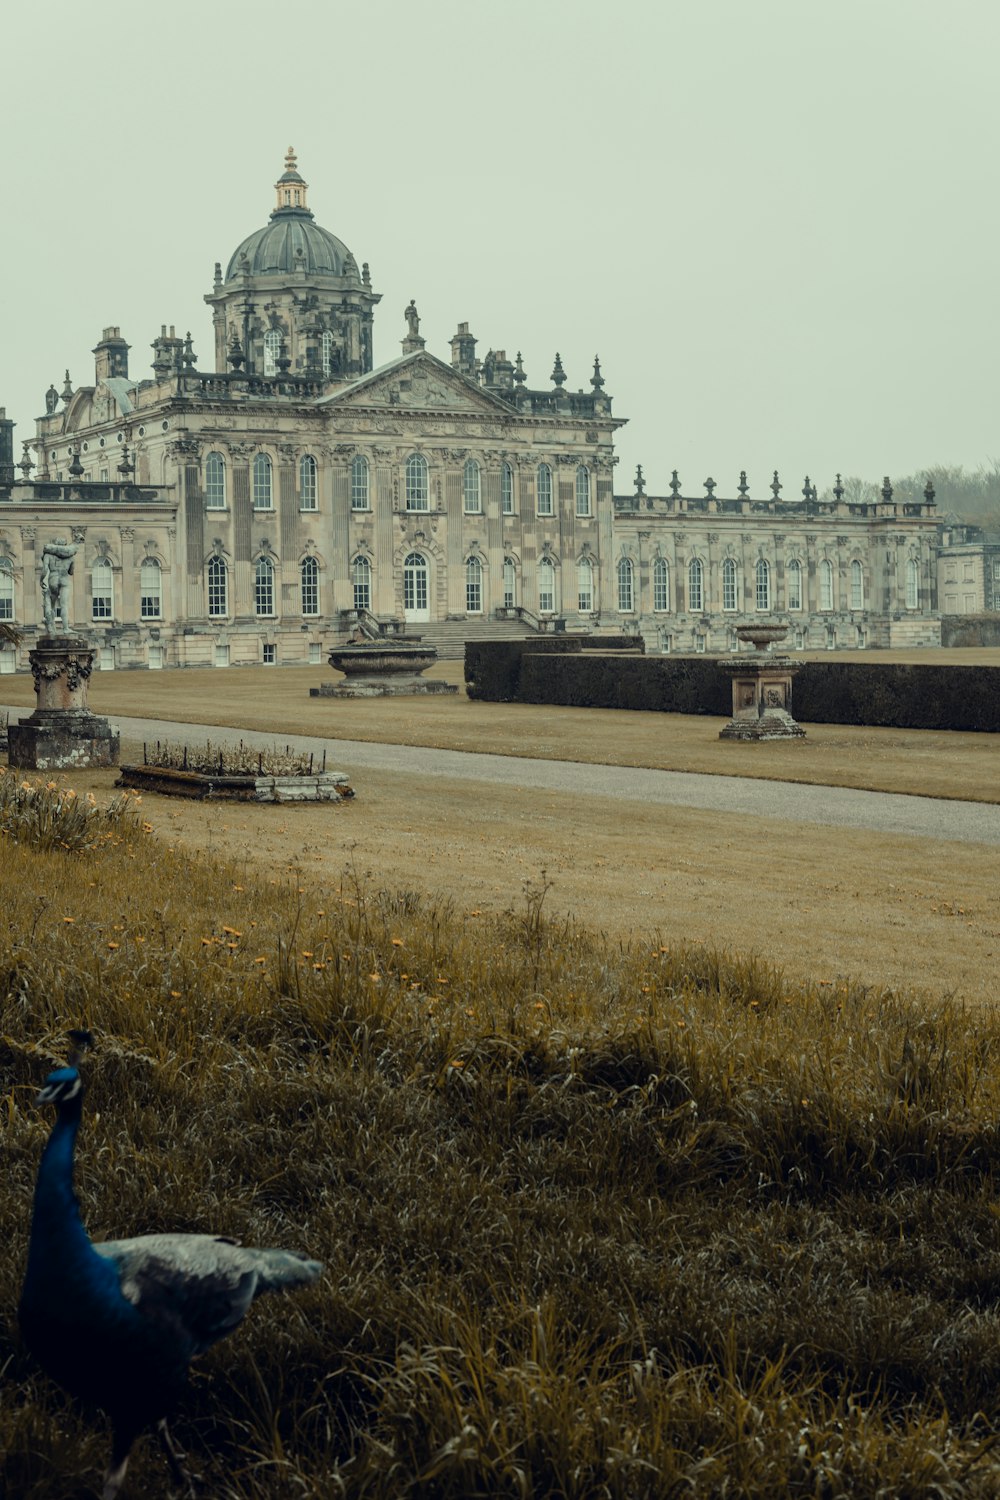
<point>448,637</point>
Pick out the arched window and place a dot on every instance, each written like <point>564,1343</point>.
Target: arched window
<point>361,577</point>
<point>416,482</point>
<point>793,584</point>
<point>826,584</point>
<point>218,587</point>
<point>473,586</point>
<point>583,491</point>
<point>150,590</point>
<point>626,592</point>
<point>307,482</point>
<point>263,586</point>
<point>6,590</point>
<point>359,482</point>
<point>546,586</point>
<point>696,584</point>
<point>471,492</point>
<point>509,583</point>
<point>544,504</point>
<point>661,585</point>
<point>506,489</point>
<point>585,586</point>
<point>309,584</point>
<point>763,596</point>
<point>912,584</point>
<point>326,353</point>
<point>102,597</point>
<point>261,482</point>
<point>729,583</point>
<point>215,482</point>
<point>857,585</point>
<point>415,591</point>
<point>272,349</point>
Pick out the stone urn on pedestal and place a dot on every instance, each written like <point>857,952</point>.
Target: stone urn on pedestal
<point>762,689</point>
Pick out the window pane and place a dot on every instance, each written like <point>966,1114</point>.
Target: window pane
<point>509,584</point>
<point>362,577</point>
<point>473,586</point>
<point>149,591</point>
<point>857,586</point>
<point>825,585</point>
<point>470,486</point>
<point>272,348</point>
<point>763,584</point>
<point>546,587</point>
<point>794,585</point>
<point>6,594</point>
<point>262,482</point>
<point>217,587</point>
<point>583,491</point>
<point>307,482</point>
<point>263,591</point>
<point>310,586</point>
<point>215,482</point>
<point>359,482</point>
<point>584,587</point>
<point>507,490</point>
<point>624,586</point>
<point>416,482</point>
<point>729,584</point>
<point>544,506</point>
<point>695,590</point>
<point>661,585</point>
<point>101,590</point>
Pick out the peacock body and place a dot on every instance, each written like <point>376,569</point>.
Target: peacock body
<point>118,1323</point>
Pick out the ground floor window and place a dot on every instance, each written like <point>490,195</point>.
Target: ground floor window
<point>221,658</point>
<point>546,587</point>
<point>361,577</point>
<point>509,584</point>
<point>474,586</point>
<point>269,654</point>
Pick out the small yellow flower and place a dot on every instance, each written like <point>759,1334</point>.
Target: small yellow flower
<point>112,945</point>
<point>69,919</point>
<point>397,942</point>
<point>232,932</point>
<point>262,959</point>
<point>175,994</point>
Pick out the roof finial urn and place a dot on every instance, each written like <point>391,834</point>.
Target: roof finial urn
<point>290,187</point>
<point>558,373</point>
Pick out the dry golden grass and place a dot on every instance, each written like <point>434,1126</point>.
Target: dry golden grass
<point>276,701</point>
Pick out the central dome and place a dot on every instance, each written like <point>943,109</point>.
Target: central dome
<point>292,241</point>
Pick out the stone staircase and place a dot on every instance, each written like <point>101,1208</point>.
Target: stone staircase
<point>448,637</point>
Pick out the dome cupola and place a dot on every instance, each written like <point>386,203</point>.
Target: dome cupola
<point>292,241</point>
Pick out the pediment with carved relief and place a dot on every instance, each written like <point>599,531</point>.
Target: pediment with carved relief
<point>418,383</point>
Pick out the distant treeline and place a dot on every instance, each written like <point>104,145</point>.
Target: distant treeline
<point>974,494</point>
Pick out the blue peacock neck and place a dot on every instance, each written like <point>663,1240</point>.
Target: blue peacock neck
<point>56,1218</point>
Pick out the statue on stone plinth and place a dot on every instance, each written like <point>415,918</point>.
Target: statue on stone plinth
<point>412,319</point>
<point>57,570</point>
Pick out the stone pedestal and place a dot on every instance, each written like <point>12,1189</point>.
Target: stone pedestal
<point>62,733</point>
<point>762,690</point>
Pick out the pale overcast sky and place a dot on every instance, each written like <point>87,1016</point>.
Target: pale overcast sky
<point>775,220</point>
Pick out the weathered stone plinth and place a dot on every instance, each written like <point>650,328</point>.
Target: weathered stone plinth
<point>762,690</point>
<point>62,733</point>
<point>381,670</point>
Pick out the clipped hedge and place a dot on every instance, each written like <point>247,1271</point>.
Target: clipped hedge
<point>970,630</point>
<point>493,668</point>
<point>903,696</point>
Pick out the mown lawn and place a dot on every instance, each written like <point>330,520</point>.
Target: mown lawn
<point>598,1219</point>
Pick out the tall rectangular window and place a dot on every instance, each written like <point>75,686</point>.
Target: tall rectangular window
<point>307,482</point>
<point>149,591</point>
<point>544,496</point>
<point>102,591</point>
<point>359,483</point>
<point>507,489</point>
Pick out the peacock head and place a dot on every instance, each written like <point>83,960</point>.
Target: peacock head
<point>61,1086</point>
<point>65,1083</point>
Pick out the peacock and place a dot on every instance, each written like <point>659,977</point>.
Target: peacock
<point>118,1323</point>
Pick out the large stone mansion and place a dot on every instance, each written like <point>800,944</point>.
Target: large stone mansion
<point>251,513</point>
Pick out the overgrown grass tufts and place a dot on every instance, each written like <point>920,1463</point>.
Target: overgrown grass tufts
<point>596,1221</point>
<point>49,815</point>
